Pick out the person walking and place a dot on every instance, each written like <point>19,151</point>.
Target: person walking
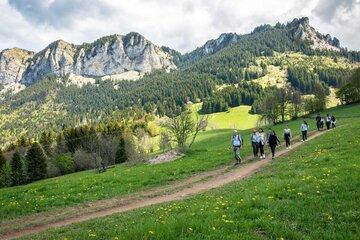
<point>304,130</point>
<point>322,123</point>
<point>273,141</point>
<point>255,142</point>
<point>262,141</point>
<point>328,121</point>
<point>318,122</point>
<point>287,137</point>
<point>333,121</point>
<point>236,142</point>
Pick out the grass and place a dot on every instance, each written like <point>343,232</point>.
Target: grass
<point>210,151</point>
<point>237,117</point>
<point>313,193</point>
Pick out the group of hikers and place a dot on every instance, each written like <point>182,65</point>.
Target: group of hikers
<point>259,139</point>
<point>330,122</point>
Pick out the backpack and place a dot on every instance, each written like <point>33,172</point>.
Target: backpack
<point>237,141</point>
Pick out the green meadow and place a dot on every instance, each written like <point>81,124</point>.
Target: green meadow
<point>313,193</point>
<point>209,152</point>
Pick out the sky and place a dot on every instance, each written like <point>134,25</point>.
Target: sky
<point>180,24</point>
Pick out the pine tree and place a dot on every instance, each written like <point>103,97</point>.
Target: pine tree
<point>121,155</point>
<point>36,161</point>
<point>17,168</point>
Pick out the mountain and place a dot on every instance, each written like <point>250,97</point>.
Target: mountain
<point>108,55</point>
<point>69,85</point>
<point>298,30</point>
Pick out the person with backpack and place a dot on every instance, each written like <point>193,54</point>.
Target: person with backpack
<point>255,142</point>
<point>304,128</point>
<point>322,123</point>
<point>328,121</point>
<point>287,137</point>
<point>262,141</point>
<point>333,121</point>
<point>236,142</point>
<point>273,142</point>
<point>318,122</point>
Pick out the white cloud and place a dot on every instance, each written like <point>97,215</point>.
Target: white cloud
<point>179,24</point>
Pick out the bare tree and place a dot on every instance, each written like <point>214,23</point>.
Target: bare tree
<point>283,96</point>
<point>296,104</point>
<point>184,127</point>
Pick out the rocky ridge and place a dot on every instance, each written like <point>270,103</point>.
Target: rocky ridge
<point>109,55</point>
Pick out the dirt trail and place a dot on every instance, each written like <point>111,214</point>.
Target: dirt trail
<point>180,190</point>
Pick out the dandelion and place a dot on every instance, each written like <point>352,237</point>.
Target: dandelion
<point>190,229</point>
<point>213,228</point>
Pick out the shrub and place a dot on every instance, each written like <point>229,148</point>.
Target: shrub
<point>84,160</point>
<point>52,169</point>
<point>65,163</point>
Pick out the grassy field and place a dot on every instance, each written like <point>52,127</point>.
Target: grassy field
<point>313,193</point>
<point>234,118</point>
<point>210,151</point>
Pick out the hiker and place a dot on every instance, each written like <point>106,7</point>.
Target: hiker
<point>236,143</point>
<point>304,130</point>
<point>318,122</point>
<point>262,140</point>
<point>287,137</point>
<point>273,141</point>
<point>328,121</point>
<point>333,121</point>
<point>255,142</point>
<point>322,123</point>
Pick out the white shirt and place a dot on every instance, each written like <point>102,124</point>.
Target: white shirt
<point>304,127</point>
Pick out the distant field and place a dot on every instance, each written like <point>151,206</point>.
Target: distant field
<point>234,118</point>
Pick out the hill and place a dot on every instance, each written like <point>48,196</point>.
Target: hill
<point>294,191</point>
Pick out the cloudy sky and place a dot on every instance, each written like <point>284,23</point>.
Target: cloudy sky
<point>179,24</point>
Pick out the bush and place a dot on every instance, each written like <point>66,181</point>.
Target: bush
<point>84,160</point>
<point>53,169</point>
<point>65,163</point>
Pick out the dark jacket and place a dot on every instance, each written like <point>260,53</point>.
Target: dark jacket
<point>273,140</point>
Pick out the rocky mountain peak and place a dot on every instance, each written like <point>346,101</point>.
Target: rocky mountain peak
<point>114,54</point>
<point>301,30</point>
<point>13,63</point>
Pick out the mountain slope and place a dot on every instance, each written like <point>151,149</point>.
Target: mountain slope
<point>109,55</point>
<point>297,30</point>
<point>241,62</point>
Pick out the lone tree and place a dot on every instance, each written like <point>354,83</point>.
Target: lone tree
<point>17,169</point>
<point>184,127</point>
<point>36,161</point>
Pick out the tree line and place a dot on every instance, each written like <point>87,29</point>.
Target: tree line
<point>244,93</point>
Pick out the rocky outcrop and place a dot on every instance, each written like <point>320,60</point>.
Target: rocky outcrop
<point>109,55</point>
<point>300,29</point>
<point>212,46</point>
<point>13,63</point>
